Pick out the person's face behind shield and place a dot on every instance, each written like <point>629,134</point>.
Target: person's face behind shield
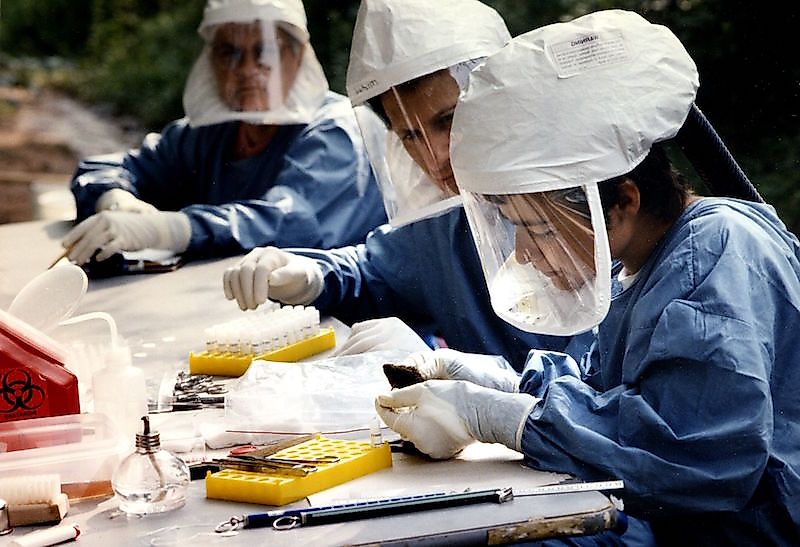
<point>243,70</point>
<point>553,233</point>
<point>544,255</point>
<point>420,113</point>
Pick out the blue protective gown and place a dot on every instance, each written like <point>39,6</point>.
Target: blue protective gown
<point>693,391</point>
<point>427,273</point>
<point>311,186</point>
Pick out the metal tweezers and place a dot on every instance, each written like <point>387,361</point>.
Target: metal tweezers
<point>273,459</point>
<point>281,466</point>
<point>256,466</point>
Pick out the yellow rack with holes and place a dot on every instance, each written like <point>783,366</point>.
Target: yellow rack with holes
<point>356,458</point>
<point>227,364</point>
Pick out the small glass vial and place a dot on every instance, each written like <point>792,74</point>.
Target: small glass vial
<point>375,436</point>
<point>151,480</point>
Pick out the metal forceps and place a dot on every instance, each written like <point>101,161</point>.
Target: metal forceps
<point>265,466</point>
<point>271,459</point>
<point>199,383</point>
<point>197,391</point>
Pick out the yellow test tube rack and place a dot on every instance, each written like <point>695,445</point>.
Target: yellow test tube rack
<point>356,458</point>
<point>235,364</point>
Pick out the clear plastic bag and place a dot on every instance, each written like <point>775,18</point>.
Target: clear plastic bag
<point>330,395</point>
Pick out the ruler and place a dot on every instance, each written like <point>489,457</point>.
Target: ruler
<point>569,488</point>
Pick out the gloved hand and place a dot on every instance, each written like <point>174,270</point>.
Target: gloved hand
<point>110,232</point>
<point>441,417</point>
<point>448,364</point>
<point>387,333</point>
<point>118,199</point>
<point>268,272</point>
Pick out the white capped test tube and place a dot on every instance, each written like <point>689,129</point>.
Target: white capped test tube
<point>49,536</point>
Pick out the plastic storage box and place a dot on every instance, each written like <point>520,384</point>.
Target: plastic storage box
<point>83,449</point>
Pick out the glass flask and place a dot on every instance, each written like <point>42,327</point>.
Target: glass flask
<point>151,479</point>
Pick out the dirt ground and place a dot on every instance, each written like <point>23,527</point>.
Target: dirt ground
<point>42,137</point>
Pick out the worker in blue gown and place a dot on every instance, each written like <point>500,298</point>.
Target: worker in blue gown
<point>422,269</point>
<point>689,394</point>
<point>265,155</point>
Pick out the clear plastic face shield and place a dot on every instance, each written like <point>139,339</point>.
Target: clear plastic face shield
<point>409,61</point>
<point>412,160</point>
<point>256,67</point>
<point>545,257</point>
<point>254,64</point>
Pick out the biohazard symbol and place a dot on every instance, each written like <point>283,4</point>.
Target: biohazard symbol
<point>18,392</point>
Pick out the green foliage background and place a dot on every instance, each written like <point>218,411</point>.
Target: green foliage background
<point>134,55</point>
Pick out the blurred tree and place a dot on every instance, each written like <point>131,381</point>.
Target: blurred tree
<point>139,55</point>
<point>44,27</point>
<point>330,24</point>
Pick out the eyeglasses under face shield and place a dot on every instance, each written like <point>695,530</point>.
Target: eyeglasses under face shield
<point>254,64</point>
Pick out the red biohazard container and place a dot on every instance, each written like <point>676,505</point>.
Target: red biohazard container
<point>33,380</point>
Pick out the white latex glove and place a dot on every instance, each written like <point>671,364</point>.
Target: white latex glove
<point>268,272</point>
<point>448,364</point>
<point>118,199</point>
<point>441,417</point>
<point>388,333</point>
<point>110,232</point>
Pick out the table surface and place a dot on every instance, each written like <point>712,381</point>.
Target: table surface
<point>162,317</point>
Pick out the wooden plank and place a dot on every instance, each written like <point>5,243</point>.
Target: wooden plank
<point>33,176</point>
<point>16,201</point>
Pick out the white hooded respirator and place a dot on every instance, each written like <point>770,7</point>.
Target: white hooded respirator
<point>257,65</point>
<point>409,60</point>
<point>555,112</point>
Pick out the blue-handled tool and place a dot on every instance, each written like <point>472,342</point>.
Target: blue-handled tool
<point>310,516</point>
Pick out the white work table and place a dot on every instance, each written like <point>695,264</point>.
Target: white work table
<point>162,316</point>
